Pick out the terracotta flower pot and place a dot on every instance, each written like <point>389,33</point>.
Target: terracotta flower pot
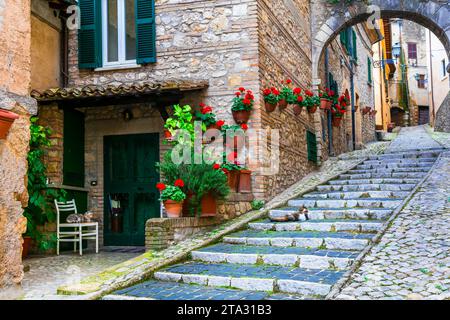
<point>336,121</point>
<point>6,120</point>
<point>312,109</point>
<point>241,116</point>
<point>187,204</point>
<point>324,104</point>
<point>26,246</point>
<point>245,181</point>
<point>173,208</point>
<point>297,109</point>
<point>233,180</point>
<point>208,205</point>
<point>282,104</point>
<point>270,107</point>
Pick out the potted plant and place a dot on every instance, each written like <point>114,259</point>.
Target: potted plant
<point>181,119</point>
<point>207,117</point>
<point>338,113</point>
<point>326,98</point>
<point>287,95</point>
<point>6,120</point>
<point>172,197</point>
<point>242,105</point>
<point>271,98</point>
<point>311,101</point>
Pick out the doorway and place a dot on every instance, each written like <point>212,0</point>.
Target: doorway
<point>424,115</point>
<point>130,195</point>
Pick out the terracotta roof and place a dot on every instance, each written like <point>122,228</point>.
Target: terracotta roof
<point>133,89</point>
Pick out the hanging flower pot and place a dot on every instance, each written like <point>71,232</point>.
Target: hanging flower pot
<point>245,181</point>
<point>173,208</point>
<point>208,205</point>
<point>6,120</point>
<point>241,116</point>
<point>366,110</point>
<point>270,107</point>
<point>297,109</point>
<point>336,121</point>
<point>325,104</point>
<point>282,104</point>
<point>26,246</point>
<point>312,109</point>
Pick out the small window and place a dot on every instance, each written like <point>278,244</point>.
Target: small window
<point>412,50</point>
<point>369,71</point>
<point>119,32</point>
<point>421,82</point>
<point>443,68</point>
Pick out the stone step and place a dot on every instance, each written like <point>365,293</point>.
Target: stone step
<point>374,181</point>
<point>388,170</point>
<point>406,155</point>
<point>422,150</point>
<point>354,176</point>
<point>366,187</point>
<point>340,213</point>
<point>428,161</point>
<point>253,277</point>
<point>347,203</point>
<point>331,225</point>
<point>356,194</point>
<point>164,290</point>
<point>282,256</point>
<point>425,165</point>
<point>305,239</point>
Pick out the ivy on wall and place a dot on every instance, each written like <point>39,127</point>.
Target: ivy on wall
<point>40,210</point>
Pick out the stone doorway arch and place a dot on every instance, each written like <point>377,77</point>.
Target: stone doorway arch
<point>330,19</point>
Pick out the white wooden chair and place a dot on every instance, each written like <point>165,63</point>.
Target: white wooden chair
<point>81,231</point>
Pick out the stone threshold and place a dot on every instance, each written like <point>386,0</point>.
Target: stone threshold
<point>140,268</point>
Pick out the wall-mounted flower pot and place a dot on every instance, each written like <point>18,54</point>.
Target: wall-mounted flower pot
<point>325,104</point>
<point>26,246</point>
<point>282,104</point>
<point>173,208</point>
<point>270,107</point>
<point>241,116</point>
<point>297,109</point>
<point>336,121</point>
<point>312,109</point>
<point>233,180</point>
<point>245,181</point>
<point>208,205</point>
<point>6,120</point>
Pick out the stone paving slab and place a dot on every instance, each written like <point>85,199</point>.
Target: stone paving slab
<point>413,137</point>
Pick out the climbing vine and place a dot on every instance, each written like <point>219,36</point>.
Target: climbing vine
<point>40,209</point>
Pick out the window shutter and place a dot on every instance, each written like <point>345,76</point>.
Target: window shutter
<point>369,70</point>
<point>312,146</point>
<point>354,47</point>
<point>145,32</point>
<point>89,35</point>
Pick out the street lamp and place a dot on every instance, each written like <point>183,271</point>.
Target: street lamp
<point>396,50</point>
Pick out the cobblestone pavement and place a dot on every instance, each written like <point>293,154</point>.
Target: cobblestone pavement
<point>412,260</point>
<point>442,137</point>
<point>301,259</point>
<point>413,138</point>
<point>46,274</point>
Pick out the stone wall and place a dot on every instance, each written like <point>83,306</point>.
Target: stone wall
<point>284,49</point>
<point>14,87</point>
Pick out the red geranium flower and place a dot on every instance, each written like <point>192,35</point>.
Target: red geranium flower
<point>288,81</point>
<point>220,123</point>
<point>206,110</point>
<point>202,105</point>
<point>275,92</point>
<point>179,183</point>
<point>309,93</point>
<point>297,90</point>
<point>300,99</point>
<point>237,94</point>
<point>247,102</point>
<point>241,89</point>
<point>331,93</point>
<point>160,186</point>
<point>266,92</point>
<point>216,166</point>
<point>244,126</point>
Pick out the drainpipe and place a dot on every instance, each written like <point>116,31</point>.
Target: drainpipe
<point>431,82</point>
<point>330,127</point>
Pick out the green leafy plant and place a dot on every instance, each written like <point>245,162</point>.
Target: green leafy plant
<point>286,92</point>
<point>40,209</point>
<point>243,100</point>
<point>182,119</point>
<point>271,95</point>
<point>206,116</point>
<point>257,204</point>
<point>172,193</point>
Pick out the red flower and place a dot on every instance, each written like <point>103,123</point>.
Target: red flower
<point>220,123</point>
<point>300,99</point>
<point>179,183</point>
<point>216,166</point>
<point>202,105</point>
<point>288,81</point>
<point>241,89</point>
<point>160,186</point>
<point>331,93</point>
<point>309,93</point>
<point>266,92</point>
<point>320,95</point>
<point>206,110</point>
<point>244,126</point>
<point>275,91</point>
<point>249,96</point>
<point>237,94</point>
<point>297,90</point>
<point>247,102</point>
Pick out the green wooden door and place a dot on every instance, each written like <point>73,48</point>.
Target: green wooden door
<point>130,197</point>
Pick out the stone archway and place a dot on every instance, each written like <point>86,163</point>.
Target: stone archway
<point>328,20</point>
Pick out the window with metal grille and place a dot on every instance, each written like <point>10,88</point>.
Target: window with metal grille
<point>421,82</point>
<point>412,50</point>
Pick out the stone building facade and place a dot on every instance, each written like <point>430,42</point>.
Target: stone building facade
<point>15,79</point>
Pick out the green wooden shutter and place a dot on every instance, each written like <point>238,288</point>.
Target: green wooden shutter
<point>145,32</point>
<point>312,146</point>
<point>354,46</point>
<point>369,70</point>
<point>73,148</point>
<point>90,35</point>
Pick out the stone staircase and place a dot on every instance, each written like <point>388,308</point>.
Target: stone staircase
<point>296,260</point>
